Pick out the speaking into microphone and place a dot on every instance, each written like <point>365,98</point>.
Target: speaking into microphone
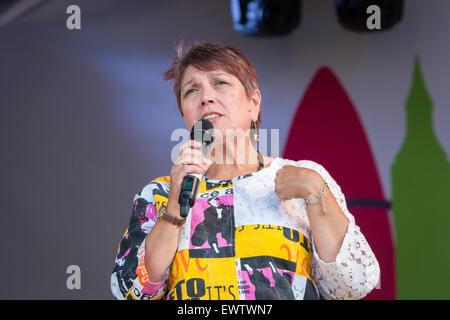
<point>202,131</point>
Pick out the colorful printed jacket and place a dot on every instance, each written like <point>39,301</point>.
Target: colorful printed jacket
<point>240,241</point>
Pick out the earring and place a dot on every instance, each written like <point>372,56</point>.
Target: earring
<point>255,131</point>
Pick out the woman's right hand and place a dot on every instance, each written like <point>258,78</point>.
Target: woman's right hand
<point>190,160</point>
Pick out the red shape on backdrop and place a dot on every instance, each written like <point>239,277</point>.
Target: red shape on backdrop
<point>326,129</point>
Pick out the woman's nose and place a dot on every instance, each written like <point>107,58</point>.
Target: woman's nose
<point>207,100</point>
<point>207,95</point>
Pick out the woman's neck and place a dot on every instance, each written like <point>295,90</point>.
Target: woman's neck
<point>233,161</point>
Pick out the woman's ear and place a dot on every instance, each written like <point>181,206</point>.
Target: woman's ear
<point>255,104</point>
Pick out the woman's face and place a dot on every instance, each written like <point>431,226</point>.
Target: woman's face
<point>217,93</point>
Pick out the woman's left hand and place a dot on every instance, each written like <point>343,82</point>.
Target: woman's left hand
<point>296,182</point>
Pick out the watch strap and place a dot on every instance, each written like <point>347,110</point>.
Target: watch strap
<point>164,215</point>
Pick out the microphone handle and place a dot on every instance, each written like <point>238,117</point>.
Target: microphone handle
<point>189,188</point>
<point>188,194</point>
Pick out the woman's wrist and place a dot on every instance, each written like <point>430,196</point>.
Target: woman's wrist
<point>316,182</point>
<point>173,207</point>
<point>172,218</point>
<point>314,199</point>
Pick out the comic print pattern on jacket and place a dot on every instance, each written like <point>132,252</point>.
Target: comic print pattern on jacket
<point>238,243</point>
<point>129,276</point>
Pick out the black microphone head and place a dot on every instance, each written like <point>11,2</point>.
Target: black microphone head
<point>203,132</point>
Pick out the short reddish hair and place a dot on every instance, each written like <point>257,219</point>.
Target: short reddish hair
<point>207,56</point>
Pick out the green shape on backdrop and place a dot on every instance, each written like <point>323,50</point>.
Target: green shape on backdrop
<point>421,203</point>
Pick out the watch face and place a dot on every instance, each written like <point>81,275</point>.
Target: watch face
<point>312,199</point>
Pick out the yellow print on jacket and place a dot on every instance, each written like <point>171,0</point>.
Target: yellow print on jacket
<point>276,241</point>
<point>202,278</point>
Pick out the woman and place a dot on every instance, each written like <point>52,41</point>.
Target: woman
<point>261,227</point>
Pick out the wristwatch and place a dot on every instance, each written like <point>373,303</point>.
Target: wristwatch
<point>164,215</point>
<point>312,198</point>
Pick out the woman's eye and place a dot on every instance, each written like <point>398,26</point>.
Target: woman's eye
<point>219,82</point>
<point>188,92</point>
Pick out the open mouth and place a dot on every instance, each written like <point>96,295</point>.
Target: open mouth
<point>211,116</point>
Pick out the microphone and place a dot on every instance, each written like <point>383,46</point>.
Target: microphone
<point>202,131</point>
